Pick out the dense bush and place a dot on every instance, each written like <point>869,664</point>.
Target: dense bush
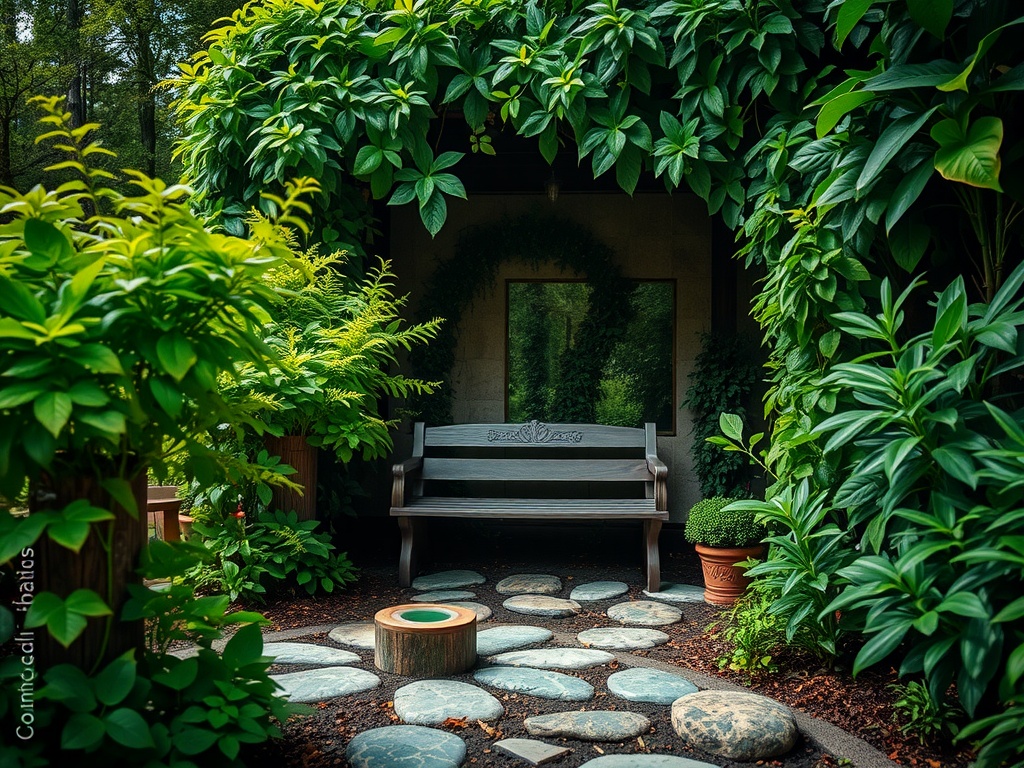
<point>710,523</point>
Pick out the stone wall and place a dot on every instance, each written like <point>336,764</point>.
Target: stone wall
<point>653,236</point>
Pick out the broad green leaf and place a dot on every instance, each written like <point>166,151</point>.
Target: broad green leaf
<point>168,396</point>
<point>1011,612</point>
<point>111,422</point>
<point>929,74</point>
<point>88,393</point>
<point>245,647</point>
<point>176,354</point>
<point>906,193</point>
<point>128,728</point>
<point>880,645</point>
<point>120,490</point>
<point>959,83</point>
<point>909,240</point>
<point>87,603</point>
<point>82,731</point>
<point>49,610</point>
<point>368,159</point>
<point>933,15</point>
<point>115,681</point>
<point>834,111</point>
<point>17,300</point>
<point>731,426</point>
<point>971,158</point>
<point>850,14</point>
<point>96,358</point>
<point>11,396</point>
<point>892,140</point>
<point>53,409</point>
<point>47,243</point>
<point>434,212</point>
<point>24,533</point>
<point>180,676</point>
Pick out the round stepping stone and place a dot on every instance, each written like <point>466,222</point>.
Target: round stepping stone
<point>308,653</point>
<point>431,702</point>
<point>443,596</point>
<point>411,746</point>
<point>644,761</point>
<point>622,638</point>
<point>541,605</point>
<point>738,726</point>
<point>483,613</point>
<point>544,684</point>
<point>325,683</point>
<point>554,658</point>
<point>598,590</point>
<point>646,613</point>
<point>649,685</point>
<point>529,584</point>
<point>589,726</point>
<point>358,634</point>
<point>447,580</point>
<point>500,639</point>
<point>678,593</point>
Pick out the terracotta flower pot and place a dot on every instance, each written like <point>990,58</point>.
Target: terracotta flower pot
<point>724,582</point>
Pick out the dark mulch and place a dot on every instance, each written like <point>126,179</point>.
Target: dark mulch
<point>862,706</point>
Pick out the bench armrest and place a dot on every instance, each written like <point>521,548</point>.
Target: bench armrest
<point>399,472</point>
<point>657,468</point>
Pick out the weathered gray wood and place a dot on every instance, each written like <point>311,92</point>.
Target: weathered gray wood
<point>537,469</point>
<point>552,509</point>
<point>549,436</point>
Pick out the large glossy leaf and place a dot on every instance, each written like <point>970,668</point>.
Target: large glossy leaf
<point>908,241</point>
<point>834,111</point>
<point>53,409</point>
<point>128,728</point>
<point>176,354</point>
<point>933,15</point>
<point>972,157</point>
<point>850,14</point>
<point>892,140</point>
<point>907,192</point>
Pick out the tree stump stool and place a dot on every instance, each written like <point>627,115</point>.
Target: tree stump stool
<point>424,640</point>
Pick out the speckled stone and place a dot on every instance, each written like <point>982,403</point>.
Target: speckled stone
<point>598,590</point>
<point>308,653</point>
<point>644,761</point>
<point>500,639</point>
<point>358,634</point>
<point>738,726</point>
<point>411,746</point>
<point>483,613</point>
<point>589,726</point>
<point>529,584</point>
<point>542,683</point>
<point>431,702</point>
<point>325,683</point>
<point>652,686</point>
<point>554,658</point>
<point>622,638</point>
<point>532,751</point>
<point>646,613</point>
<point>443,596</point>
<point>447,580</point>
<point>678,593</point>
<point>541,605</point>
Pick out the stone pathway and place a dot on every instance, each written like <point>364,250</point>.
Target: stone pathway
<point>542,683</point>
<point>736,726</point>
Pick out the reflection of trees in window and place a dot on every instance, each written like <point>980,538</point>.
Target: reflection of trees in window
<point>636,377</point>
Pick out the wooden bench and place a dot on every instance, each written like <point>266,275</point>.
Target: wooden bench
<point>531,471</point>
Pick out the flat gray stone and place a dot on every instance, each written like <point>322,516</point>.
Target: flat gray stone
<point>652,686</point>
<point>483,613</point>
<point>325,683</point>
<point>738,726</point>
<point>447,580</point>
<point>541,605</point>
<point>644,761</point>
<point>411,746</point>
<point>529,584</point>
<point>443,596</point>
<point>647,613</point>
<point>598,590</point>
<point>589,726</point>
<point>308,653</point>
<point>500,639</point>
<point>542,683</point>
<point>678,593</point>
<point>622,638</point>
<point>554,658</point>
<point>532,751</point>
<point>431,702</point>
<point>358,634</point>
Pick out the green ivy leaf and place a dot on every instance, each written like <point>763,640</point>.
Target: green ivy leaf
<point>128,728</point>
<point>115,682</point>
<point>82,731</point>
<point>972,157</point>
<point>176,354</point>
<point>52,410</point>
<point>245,647</point>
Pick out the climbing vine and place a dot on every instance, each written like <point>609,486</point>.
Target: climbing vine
<point>532,239</point>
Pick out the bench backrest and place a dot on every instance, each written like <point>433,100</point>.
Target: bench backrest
<point>535,452</point>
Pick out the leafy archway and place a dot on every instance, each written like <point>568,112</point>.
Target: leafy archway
<point>531,239</point>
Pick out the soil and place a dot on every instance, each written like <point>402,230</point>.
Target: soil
<point>862,706</point>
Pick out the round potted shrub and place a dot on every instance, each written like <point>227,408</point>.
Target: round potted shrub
<point>723,538</point>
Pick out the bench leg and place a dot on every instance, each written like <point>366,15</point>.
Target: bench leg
<point>407,559</point>
<point>652,557</point>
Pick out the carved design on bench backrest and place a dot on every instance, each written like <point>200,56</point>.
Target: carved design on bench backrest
<point>534,432</point>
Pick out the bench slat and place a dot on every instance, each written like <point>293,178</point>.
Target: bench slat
<point>536,436</point>
<point>439,506</point>
<point>569,470</point>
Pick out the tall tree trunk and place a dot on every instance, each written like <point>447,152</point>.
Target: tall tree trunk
<point>146,79</point>
<point>76,89</point>
<point>6,172</point>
